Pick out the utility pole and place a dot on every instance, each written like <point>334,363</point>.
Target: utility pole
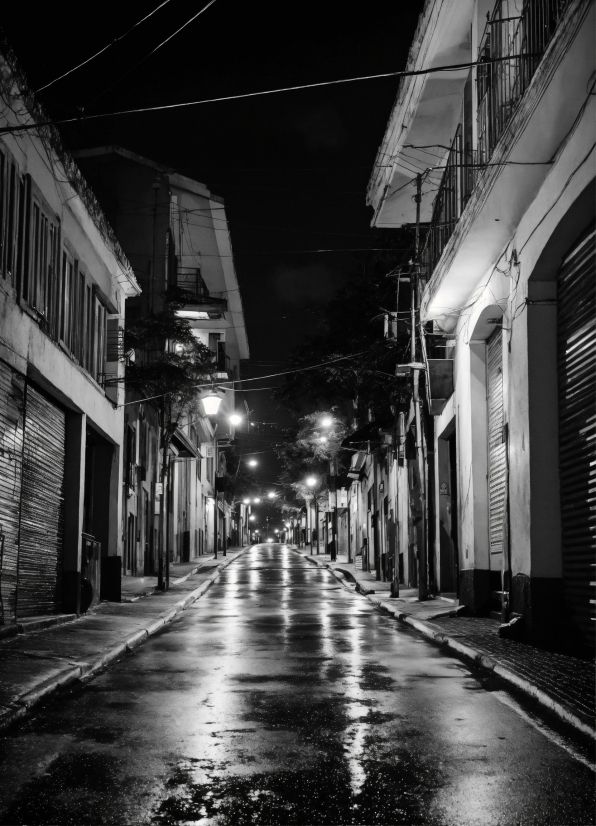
<point>414,315</point>
<point>333,487</point>
<point>317,524</point>
<point>163,542</point>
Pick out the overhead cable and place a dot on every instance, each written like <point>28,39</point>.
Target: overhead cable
<point>102,50</point>
<point>454,67</point>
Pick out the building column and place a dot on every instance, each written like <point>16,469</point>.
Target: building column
<point>74,493</point>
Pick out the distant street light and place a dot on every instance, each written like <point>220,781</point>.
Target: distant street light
<point>271,494</point>
<point>235,418</point>
<point>311,481</point>
<point>252,463</point>
<point>327,421</point>
<point>257,501</point>
<point>251,517</point>
<point>246,501</point>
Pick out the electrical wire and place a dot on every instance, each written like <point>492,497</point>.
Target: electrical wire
<point>256,378</point>
<point>105,48</point>
<point>143,59</point>
<point>454,67</point>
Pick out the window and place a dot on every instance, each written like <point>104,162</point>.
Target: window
<point>12,200</point>
<point>65,298</point>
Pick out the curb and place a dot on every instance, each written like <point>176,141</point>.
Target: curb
<point>85,671</point>
<point>467,653</point>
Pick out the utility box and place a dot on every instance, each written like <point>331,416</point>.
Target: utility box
<point>440,378</point>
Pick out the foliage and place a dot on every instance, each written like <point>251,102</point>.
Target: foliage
<point>314,450</point>
<point>352,326</point>
<point>169,364</point>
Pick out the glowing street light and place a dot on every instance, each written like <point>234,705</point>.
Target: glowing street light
<point>327,421</point>
<point>311,481</point>
<point>252,463</point>
<point>246,501</point>
<point>251,517</point>
<point>272,494</point>
<point>235,419</point>
<point>211,403</point>
<point>323,439</point>
<point>257,501</point>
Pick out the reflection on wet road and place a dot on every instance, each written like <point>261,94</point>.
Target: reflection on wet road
<point>280,697</point>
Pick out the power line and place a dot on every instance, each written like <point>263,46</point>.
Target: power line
<point>143,59</point>
<point>256,378</point>
<point>454,67</point>
<point>105,48</point>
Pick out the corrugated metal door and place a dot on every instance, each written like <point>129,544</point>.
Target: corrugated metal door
<point>576,291</point>
<point>42,507</point>
<point>12,397</point>
<point>497,487</point>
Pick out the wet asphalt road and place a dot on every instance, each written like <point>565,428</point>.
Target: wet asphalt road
<point>281,697</point>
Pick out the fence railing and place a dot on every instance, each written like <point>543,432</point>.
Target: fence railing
<point>521,37</point>
<point>191,282</point>
<point>457,184</point>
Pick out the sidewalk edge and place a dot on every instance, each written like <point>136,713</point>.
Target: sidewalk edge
<point>471,654</point>
<point>85,671</point>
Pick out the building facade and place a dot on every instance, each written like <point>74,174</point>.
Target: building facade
<point>502,155</point>
<point>63,279</point>
<point>176,233</point>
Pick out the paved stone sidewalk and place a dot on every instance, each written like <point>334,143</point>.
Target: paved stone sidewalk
<point>566,678</point>
<point>34,665</point>
<point>564,684</point>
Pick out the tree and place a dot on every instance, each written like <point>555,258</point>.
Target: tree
<point>361,377</point>
<point>169,362</point>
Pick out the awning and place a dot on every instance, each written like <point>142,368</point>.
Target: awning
<point>186,449</point>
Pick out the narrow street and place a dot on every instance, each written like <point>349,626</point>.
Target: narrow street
<point>281,697</point>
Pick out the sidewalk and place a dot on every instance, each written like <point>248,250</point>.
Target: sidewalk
<point>36,664</point>
<point>563,684</point>
<point>135,587</point>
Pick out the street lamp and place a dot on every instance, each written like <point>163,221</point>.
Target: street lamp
<point>257,501</point>
<point>246,501</point>
<point>235,419</point>
<point>252,463</point>
<point>271,494</point>
<point>211,402</point>
<point>327,421</point>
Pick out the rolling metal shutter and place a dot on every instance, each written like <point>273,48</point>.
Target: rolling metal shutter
<point>12,396</point>
<point>576,307</point>
<point>42,508</point>
<point>497,476</point>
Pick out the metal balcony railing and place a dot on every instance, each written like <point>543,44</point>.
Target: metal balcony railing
<point>191,281</point>
<point>522,37</point>
<point>458,182</point>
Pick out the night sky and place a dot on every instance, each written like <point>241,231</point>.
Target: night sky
<point>292,167</point>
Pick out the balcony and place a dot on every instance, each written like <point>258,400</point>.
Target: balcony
<point>194,296</point>
<point>522,38</point>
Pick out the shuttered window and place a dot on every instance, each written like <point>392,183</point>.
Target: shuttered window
<point>576,313</point>
<point>496,446</point>
<point>42,507</point>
